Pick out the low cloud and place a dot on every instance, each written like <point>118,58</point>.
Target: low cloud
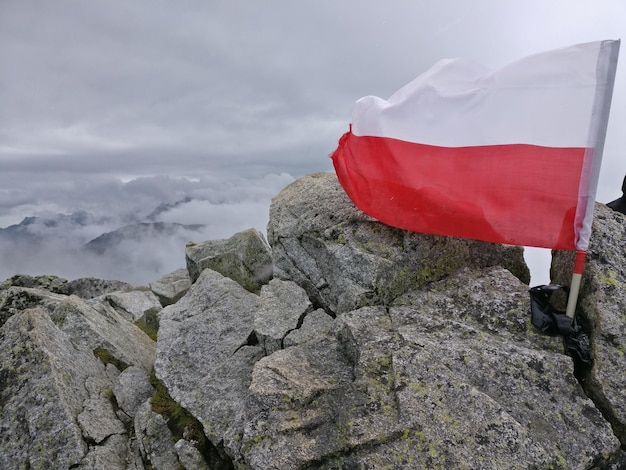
<point>52,243</point>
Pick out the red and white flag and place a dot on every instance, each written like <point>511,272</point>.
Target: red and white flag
<point>511,156</point>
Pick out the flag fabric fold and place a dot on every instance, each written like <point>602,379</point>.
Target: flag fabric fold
<point>511,156</point>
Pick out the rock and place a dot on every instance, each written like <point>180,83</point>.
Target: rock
<point>49,391</point>
<point>132,389</point>
<point>112,454</point>
<point>171,287</point>
<point>15,299</point>
<point>50,283</point>
<point>437,379</point>
<point>448,378</point>
<point>603,303</point>
<point>371,348</point>
<point>437,369</point>
<point>98,419</point>
<point>302,400</point>
<point>344,259</point>
<point>89,288</point>
<point>245,257</point>
<point>613,462</point>
<point>98,327</point>
<point>315,325</point>
<point>206,351</point>
<point>480,331</point>
<point>58,408</point>
<point>140,307</point>
<point>134,460</point>
<point>189,456</point>
<point>135,305</point>
<point>155,439</point>
<point>283,307</point>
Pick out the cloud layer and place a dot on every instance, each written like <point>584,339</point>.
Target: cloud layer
<point>111,106</point>
<point>52,244</point>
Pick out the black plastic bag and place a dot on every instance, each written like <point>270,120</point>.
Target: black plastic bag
<point>553,322</point>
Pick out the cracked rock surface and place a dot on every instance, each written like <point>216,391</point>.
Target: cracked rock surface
<point>369,348</point>
<point>423,354</point>
<point>59,359</point>
<point>344,259</point>
<point>53,395</point>
<point>603,301</point>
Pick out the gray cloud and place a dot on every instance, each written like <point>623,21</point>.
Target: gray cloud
<point>107,196</point>
<point>159,85</point>
<point>223,206</point>
<point>100,92</point>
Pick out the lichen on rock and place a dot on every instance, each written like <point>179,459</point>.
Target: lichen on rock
<point>603,304</point>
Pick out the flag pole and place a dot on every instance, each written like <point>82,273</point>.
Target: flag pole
<point>574,289</point>
<point>606,68</point>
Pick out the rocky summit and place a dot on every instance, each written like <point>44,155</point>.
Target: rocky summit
<point>337,343</point>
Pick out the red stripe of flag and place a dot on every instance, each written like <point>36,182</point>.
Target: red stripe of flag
<point>495,193</point>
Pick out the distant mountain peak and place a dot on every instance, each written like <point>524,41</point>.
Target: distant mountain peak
<point>138,232</point>
<point>164,207</point>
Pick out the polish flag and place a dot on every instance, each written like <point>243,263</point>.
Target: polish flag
<point>511,156</point>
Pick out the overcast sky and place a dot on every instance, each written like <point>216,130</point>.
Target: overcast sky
<point>95,94</point>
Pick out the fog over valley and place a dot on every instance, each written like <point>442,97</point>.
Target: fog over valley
<point>135,233</point>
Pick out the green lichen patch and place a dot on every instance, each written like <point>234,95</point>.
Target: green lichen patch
<point>180,422</point>
<point>148,329</point>
<point>107,358</point>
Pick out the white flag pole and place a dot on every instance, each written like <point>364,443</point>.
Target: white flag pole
<point>574,288</point>
<point>605,70</point>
